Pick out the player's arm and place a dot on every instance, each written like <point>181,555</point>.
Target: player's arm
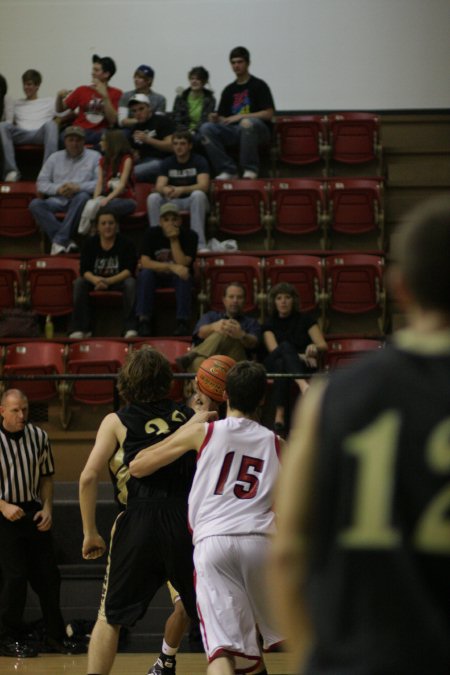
<point>105,444</point>
<point>188,437</point>
<point>293,505</point>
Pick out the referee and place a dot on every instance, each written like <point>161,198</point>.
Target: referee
<point>26,551</point>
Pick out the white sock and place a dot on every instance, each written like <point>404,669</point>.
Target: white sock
<point>167,650</point>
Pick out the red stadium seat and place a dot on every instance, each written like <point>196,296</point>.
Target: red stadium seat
<point>95,357</point>
<point>240,207</point>
<point>35,358</point>
<point>139,219</point>
<point>305,272</point>
<point>343,351</point>
<point>15,217</point>
<point>355,284</point>
<point>11,282</point>
<point>298,205</point>
<point>356,206</point>
<point>301,139</point>
<point>217,271</point>
<point>354,138</point>
<point>50,281</point>
<point>172,348</point>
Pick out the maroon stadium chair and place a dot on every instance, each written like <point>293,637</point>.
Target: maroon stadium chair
<point>356,207</point>
<point>15,217</point>
<point>11,282</point>
<point>301,139</point>
<point>34,358</point>
<point>354,138</point>
<point>342,351</point>
<point>50,284</point>
<point>139,219</point>
<point>298,205</point>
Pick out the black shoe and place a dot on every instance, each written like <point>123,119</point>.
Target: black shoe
<point>182,328</point>
<point>164,665</point>
<point>18,650</point>
<point>64,646</point>
<point>144,328</point>
<point>183,362</point>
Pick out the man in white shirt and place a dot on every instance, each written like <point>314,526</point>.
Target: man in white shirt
<point>33,122</point>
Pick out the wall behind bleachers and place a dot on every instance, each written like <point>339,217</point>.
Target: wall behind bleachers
<point>316,54</point>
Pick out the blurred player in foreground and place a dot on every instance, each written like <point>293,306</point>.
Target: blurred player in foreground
<point>230,512</point>
<point>361,569</point>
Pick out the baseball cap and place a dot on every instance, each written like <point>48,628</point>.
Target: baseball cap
<point>74,131</point>
<point>139,98</point>
<point>169,208</point>
<point>146,70</point>
<point>106,63</point>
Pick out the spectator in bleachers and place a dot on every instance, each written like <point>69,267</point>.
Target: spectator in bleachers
<point>33,121</point>
<point>64,184</point>
<point>6,102</point>
<point>143,80</point>
<point>107,263</point>
<point>115,184</point>
<point>96,104</point>
<point>193,106</point>
<point>151,138</point>
<point>243,120</point>
<point>230,332</point>
<point>293,340</point>
<point>183,180</point>
<point>167,256</point>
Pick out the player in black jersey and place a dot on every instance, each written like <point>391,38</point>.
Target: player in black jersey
<point>362,559</point>
<point>150,541</point>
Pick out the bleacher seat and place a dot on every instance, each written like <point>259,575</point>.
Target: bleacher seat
<point>139,219</point>
<point>301,139</point>
<point>11,282</point>
<point>34,358</point>
<point>298,205</point>
<point>241,207</point>
<point>356,207</point>
<point>50,283</point>
<point>15,217</point>
<point>343,351</point>
<point>355,138</point>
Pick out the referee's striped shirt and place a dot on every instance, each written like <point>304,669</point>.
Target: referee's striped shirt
<point>25,456</point>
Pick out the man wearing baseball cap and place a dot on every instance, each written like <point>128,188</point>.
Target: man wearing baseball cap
<point>167,256</point>
<point>97,103</point>
<point>150,137</point>
<point>64,184</point>
<point>143,80</point>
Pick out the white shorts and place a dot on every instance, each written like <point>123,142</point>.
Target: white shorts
<point>231,598</point>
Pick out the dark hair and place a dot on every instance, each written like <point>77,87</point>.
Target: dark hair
<point>3,90</point>
<point>199,72</point>
<point>245,386</point>
<point>146,376</point>
<point>240,53</point>
<point>183,133</point>
<point>287,289</point>
<point>234,283</point>
<point>107,64</point>
<point>421,248</point>
<point>33,76</point>
<point>105,211</point>
<point>117,146</point>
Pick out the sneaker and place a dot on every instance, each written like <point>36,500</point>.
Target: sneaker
<point>164,665</point>
<point>12,177</point>
<point>144,328</point>
<point>71,247</point>
<point>250,174</point>
<point>203,249</point>
<point>226,176</point>
<point>18,649</point>
<point>76,335</point>
<point>56,249</point>
<point>64,646</point>
<point>182,328</point>
<point>131,333</point>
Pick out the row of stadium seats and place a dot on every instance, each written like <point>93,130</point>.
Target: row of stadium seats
<point>104,357</point>
<point>292,206</point>
<point>327,281</point>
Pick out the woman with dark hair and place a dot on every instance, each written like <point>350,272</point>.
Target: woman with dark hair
<point>107,263</point>
<point>115,184</point>
<point>293,340</point>
<point>6,112</point>
<point>192,107</point>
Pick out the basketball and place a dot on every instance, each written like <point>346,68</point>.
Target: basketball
<point>212,374</point>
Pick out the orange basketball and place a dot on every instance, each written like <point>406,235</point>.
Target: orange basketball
<point>212,374</point>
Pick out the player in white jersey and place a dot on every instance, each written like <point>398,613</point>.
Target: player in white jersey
<point>230,512</point>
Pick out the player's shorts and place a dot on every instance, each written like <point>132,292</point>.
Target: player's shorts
<point>150,544</point>
<point>231,601</point>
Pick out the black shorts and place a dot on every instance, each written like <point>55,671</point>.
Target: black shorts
<point>150,544</point>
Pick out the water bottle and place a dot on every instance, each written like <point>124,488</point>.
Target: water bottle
<point>49,329</point>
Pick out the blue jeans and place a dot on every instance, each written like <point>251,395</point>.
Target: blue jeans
<point>147,170</point>
<point>58,232</point>
<point>10,135</point>
<point>248,134</point>
<point>82,312</point>
<point>196,203</point>
<point>147,283</point>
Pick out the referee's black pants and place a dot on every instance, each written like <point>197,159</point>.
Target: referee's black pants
<point>27,555</point>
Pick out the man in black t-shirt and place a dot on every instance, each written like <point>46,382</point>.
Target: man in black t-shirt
<point>167,256</point>
<point>183,180</point>
<point>244,118</point>
<point>151,138</point>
